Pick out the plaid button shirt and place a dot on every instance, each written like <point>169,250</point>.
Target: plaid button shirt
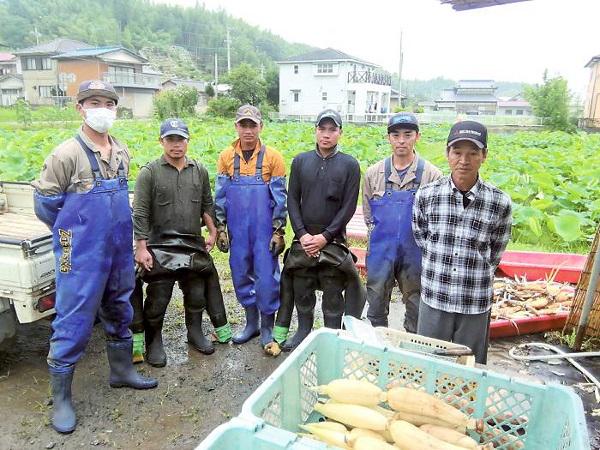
<point>461,246</point>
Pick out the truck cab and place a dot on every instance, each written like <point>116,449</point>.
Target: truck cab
<point>27,265</point>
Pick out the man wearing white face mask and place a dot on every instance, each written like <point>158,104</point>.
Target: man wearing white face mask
<point>82,196</point>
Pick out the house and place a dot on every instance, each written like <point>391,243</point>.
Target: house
<point>41,84</point>
<point>591,108</point>
<point>11,89</point>
<point>127,71</point>
<point>329,78</point>
<point>514,106</point>
<point>471,97</point>
<point>8,64</point>
<point>199,85</point>
<point>395,101</point>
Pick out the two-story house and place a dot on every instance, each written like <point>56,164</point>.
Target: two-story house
<point>11,83</point>
<point>469,97</point>
<point>591,108</point>
<point>124,69</point>
<point>329,78</point>
<point>41,84</point>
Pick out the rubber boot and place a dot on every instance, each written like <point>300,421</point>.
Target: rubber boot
<point>305,323</point>
<point>195,336</point>
<point>155,351</point>
<point>122,372</point>
<point>266,328</point>
<point>251,329</point>
<point>63,414</point>
<point>138,348</point>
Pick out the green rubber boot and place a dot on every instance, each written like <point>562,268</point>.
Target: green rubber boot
<point>224,333</point>
<point>138,348</point>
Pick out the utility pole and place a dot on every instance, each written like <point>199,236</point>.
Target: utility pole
<point>216,75</point>
<point>400,73</point>
<point>228,41</point>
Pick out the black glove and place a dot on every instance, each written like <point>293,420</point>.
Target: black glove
<point>277,244</point>
<point>222,239</point>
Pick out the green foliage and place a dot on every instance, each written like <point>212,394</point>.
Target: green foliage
<point>23,112</point>
<point>209,90</point>
<point>272,80</point>
<point>552,177</point>
<point>222,107</point>
<point>247,85</point>
<point>178,102</point>
<point>551,102</point>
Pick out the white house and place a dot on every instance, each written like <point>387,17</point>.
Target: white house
<point>329,78</point>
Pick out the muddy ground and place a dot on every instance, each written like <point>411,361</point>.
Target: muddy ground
<point>196,392</point>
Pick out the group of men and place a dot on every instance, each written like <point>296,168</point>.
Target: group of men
<point>439,237</point>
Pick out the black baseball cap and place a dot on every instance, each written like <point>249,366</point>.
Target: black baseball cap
<point>174,126</point>
<point>329,114</point>
<point>468,130</point>
<point>403,120</point>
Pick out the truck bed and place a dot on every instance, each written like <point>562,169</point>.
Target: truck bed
<point>16,228</point>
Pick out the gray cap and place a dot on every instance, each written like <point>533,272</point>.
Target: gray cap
<point>404,120</point>
<point>329,114</point>
<point>91,88</point>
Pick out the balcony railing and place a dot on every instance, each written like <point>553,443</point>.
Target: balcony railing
<point>132,80</point>
<point>370,77</point>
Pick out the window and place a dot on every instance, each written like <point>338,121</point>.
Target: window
<point>519,112</point>
<point>295,68</point>
<point>36,63</point>
<point>508,112</point>
<point>324,96</point>
<point>324,68</point>
<point>119,74</point>
<point>46,91</point>
<point>296,95</point>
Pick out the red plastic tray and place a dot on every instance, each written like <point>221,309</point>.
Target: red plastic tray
<point>539,265</point>
<point>527,325</point>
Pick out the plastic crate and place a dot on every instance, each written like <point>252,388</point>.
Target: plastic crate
<point>241,434</point>
<point>548,417</point>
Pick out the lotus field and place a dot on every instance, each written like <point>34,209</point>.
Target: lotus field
<point>553,178</point>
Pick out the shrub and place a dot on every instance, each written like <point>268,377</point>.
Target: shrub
<point>222,106</point>
<point>178,102</point>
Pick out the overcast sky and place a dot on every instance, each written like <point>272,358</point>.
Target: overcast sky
<point>514,42</point>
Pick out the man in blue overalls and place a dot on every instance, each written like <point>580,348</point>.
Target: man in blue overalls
<point>250,207</point>
<point>388,194</point>
<point>82,196</point>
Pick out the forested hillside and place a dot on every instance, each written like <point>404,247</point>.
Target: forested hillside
<point>147,27</point>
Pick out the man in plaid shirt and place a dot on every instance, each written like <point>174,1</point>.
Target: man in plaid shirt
<point>462,224</point>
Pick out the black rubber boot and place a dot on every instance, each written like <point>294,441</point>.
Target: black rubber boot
<point>195,336</point>
<point>158,295</point>
<point>266,328</point>
<point>122,372</point>
<point>305,323</point>
<point>251,330</point>
<point>63,414</point>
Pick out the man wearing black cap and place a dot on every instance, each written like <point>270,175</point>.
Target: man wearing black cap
<point>322,197</point>
<point>388,196</point>
<point>82,196</point>
<point>173,200</point>
<point>462,224</point>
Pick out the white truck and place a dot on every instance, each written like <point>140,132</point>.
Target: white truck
<point>27,267</point>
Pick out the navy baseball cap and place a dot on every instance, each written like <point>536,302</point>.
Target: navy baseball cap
<point>90,88</point>
<point>174,126</point>
<point>468,130</point>
<point>329,114</point>
<point>403,120</point>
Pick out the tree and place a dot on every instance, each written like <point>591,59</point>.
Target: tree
<point>247,85</point>
<point>178,102</point>
<point>272,80</point>
<point>550,101</point>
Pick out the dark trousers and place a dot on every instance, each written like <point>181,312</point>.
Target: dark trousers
<point>327,279</point>
<point>472,330</point>
<point>379,294</point>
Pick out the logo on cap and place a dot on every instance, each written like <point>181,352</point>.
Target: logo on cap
<point>96,85</point>
<point>174,123</point>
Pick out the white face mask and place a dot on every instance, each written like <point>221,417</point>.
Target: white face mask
<point>100,119</point>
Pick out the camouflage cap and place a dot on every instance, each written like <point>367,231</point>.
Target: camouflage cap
<point>90,88</point>
<point>248,112</point>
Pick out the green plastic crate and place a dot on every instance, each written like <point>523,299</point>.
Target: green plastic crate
<point>541,417</point>
<point>239,434</point>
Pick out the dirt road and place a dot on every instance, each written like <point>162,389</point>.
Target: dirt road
<point>196,392</point>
